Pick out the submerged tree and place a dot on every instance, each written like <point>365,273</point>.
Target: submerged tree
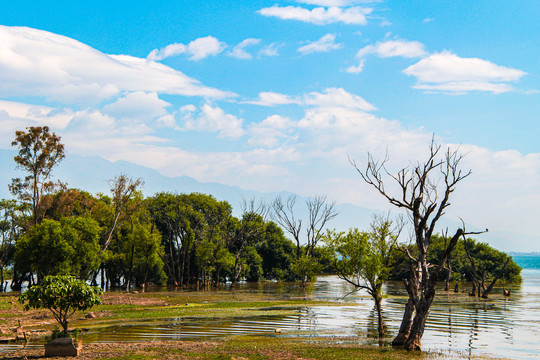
<point>39,152</point>
<point>363,259</point>
<point>319,214</point>
<point>424,191</point>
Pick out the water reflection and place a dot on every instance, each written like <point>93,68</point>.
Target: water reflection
<point>499,326</point>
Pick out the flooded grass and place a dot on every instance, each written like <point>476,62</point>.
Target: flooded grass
<point>271,316</point>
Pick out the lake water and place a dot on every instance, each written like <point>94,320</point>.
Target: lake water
<point>507,327</point>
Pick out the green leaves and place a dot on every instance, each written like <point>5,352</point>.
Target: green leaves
<point>62,295</point>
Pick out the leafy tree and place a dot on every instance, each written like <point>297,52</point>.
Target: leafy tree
<point>487,264</point>
<point>277,253</point>
<point>66,247</point>
<point>69,202</point>
<point>9,231</point>
<point>363,259</point>
<point>62,295</point>
<point>246,232</point>
<point>39,152</point>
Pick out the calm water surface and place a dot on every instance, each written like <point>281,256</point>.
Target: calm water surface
<point>499,326</point>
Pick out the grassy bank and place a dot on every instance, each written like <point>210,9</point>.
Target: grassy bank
<point>131,308</point>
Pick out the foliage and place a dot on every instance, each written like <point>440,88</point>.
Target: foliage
<point>363,259</point>
<point>39,151</point>
<point>62,295</point>
<point>66,247</point>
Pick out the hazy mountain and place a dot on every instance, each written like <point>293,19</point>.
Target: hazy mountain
<point>92,174</point>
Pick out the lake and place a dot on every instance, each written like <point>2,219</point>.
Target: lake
<point>500,326</point>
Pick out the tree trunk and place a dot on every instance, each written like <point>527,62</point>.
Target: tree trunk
<point>414,341</point>
<point>499,274</point>
<point>380,322</point>
<point>406,324</point>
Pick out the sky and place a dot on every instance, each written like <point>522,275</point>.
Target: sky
<point>280,95</point>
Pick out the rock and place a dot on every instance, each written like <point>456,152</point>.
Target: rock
<point>90,315</point>
<point>62,347</point>
<point>277,331</point>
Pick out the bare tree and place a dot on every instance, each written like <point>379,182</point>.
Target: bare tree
<point>319,214</point>
<point>251,225</point>
<point>424,192</point>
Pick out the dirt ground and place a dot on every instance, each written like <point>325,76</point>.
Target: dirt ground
<point>171,350</point>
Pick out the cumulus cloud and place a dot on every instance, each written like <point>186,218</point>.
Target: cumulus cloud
<point>198,49</point>
<point>392,48</point>
<point>239,51</point>
<point>338,3</point>
<point>39,63</point>
<point>271,130</point>
<point>337,97</point>
<point>331,97</point>
<point>138,105</point>
<point>356,69</point>
<point>270,50</point>
<point>448,72</point>
<point>324,44</point>
<point>213,119</point>
<point>319,15</point>
<point>269,98</point>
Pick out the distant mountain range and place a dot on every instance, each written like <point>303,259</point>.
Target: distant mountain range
<point>92,173</point>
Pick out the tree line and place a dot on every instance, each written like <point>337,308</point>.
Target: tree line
<point>124,239</point>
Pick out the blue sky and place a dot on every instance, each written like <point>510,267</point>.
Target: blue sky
<point>275,95</point>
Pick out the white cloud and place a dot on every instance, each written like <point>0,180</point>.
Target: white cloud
<point>337,97</point>
<point>39,63</point>
<point>271,130</point>
<point>356,69</point>
<point>270,50</point>
<point>239,51</point>
<point>204,47</point>
<point>319,16</point>
<point>213,119</point>
<point>338,3</point>
<point>331,97</point>
<point>139,105</point>
<point>324,44</point>
<point>272,99</point>
<point>448,72</point>
<point>198,49</point>
<point>167,51</point>
<point>392,48</point>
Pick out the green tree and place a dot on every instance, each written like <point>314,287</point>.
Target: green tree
<point>363,259</point>
<point>39,152</point>
<point>66,247</point>
<point>277,253</point>
<point>62,295</point>
<point>487,265</point>
<point>9,232</point>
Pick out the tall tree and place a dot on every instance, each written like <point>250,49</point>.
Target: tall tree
<point>39,152</point>
<point>250,227</point>
<point>9,231</point>
<point>319,214</point>
<point>423,190</point>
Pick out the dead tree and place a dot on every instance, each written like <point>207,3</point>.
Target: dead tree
<point>319,214</point>
<point>424,192</point>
